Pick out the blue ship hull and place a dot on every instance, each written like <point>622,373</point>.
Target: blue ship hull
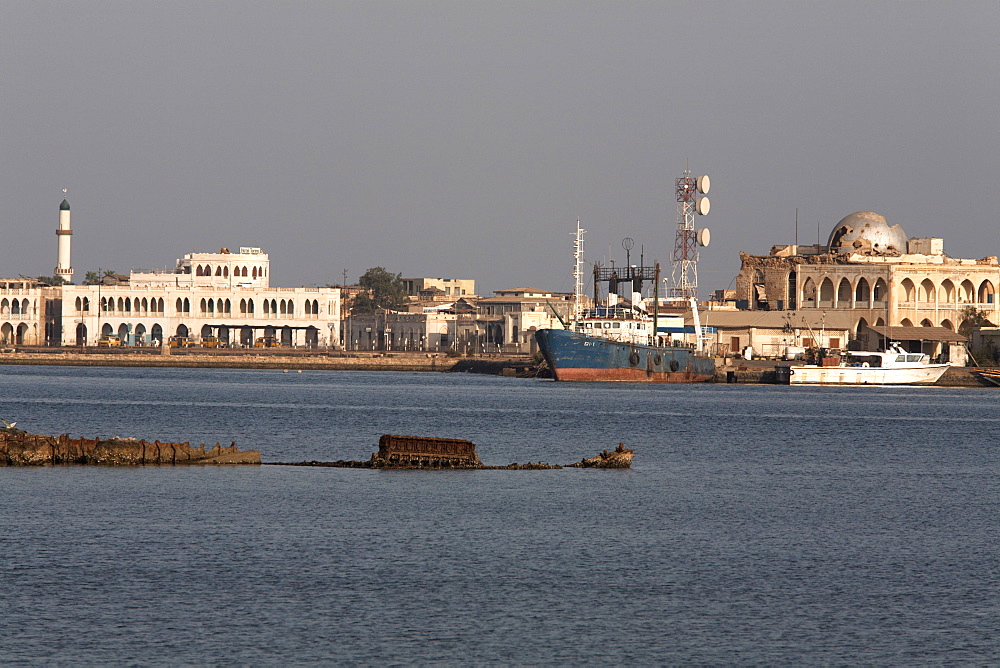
<point>579,357</point>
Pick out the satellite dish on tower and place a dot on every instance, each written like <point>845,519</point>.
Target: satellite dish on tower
<point>703,236</point>
<point>703,206</point>
<point>704,183</point>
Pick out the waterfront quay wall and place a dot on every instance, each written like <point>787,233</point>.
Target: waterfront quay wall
<point>270,359</point>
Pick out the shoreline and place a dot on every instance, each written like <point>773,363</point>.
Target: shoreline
<point>286,360</point>
<point>744,372</point>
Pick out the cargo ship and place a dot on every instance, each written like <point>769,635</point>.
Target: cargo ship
<point>588,352</point>
<point>622,339</point>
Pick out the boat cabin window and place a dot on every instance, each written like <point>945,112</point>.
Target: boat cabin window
<point>616,325</point>
<point>900,358</point>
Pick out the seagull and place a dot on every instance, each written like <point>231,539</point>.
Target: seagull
<point>9,425</point>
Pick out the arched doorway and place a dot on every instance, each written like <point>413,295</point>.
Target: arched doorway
<point>81,334</point>
<point>312,337</point>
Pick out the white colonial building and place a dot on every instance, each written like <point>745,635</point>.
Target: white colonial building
<point>224,294</point>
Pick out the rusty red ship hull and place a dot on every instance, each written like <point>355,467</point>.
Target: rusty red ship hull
<point>573,356</point>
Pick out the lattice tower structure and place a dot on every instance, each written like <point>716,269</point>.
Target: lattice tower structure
<point>578,270</point>
<point>684,272</point>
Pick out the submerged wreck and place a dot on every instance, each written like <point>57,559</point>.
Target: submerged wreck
<point>19,448</point>
<point>422,452</point>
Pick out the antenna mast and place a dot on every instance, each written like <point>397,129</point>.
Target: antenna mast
<point>684,274</point>
<point>577,269</point>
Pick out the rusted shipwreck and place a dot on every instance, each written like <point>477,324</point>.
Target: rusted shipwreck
<point>619,458</point>
<point>19,448</point>
<point>422,452</point>
<point>396,451</point>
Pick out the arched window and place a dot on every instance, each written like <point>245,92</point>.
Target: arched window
<point>966,292</point>
<point>86,304</point>
<point>229,306</point>
<point>926,293</point>
<point>986,292</point>
<point>203,307</point>
<point>79,304</point>
<point>907,290</point>
<point>291,307</point>
<point>926,323</point>
<point>218,271</point>
<point>861,333</point>
<point>844,293</point>
<point>826,291</point>
<point>187,305</point>
<point>250,306</point>
<point>145,305</point>
<point>254,273</point>
<point>225,272</point>
<point>267,307</point>
<point>906,323</point>
<point>862,293</point>
<point>948,325</point>
<point>880,291</point>
<point>947,292</point>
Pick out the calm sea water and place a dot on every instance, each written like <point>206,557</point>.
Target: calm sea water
<point>759,524</point>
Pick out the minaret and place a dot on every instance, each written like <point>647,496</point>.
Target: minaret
<point>64,268</point>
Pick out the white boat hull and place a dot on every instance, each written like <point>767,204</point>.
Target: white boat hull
<point>810,374</point>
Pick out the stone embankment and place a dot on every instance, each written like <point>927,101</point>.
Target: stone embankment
<point>18,448</point>
<point>268,359</point>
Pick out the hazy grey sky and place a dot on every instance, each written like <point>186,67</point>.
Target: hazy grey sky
<point>464,139</point>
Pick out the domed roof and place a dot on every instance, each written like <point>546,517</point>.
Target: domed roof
<point>64,206</point>
<point>867,232</point>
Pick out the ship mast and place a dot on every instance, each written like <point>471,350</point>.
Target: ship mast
<point>578,270</point>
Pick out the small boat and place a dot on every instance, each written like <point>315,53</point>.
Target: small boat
<point>894,366</point>
<point>989,375</point>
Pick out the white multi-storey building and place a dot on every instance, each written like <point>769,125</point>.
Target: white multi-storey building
<point>224,294</point>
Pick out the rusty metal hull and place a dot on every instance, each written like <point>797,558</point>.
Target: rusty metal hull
<point>577,357</point>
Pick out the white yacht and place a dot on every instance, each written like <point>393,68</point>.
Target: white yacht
<point>894,366</point>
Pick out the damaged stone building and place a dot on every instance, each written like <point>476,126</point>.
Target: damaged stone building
<point>871,277</point>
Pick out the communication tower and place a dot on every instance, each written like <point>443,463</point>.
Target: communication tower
<point>684,273</point>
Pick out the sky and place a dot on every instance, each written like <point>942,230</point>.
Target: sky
<point>464,139</point>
